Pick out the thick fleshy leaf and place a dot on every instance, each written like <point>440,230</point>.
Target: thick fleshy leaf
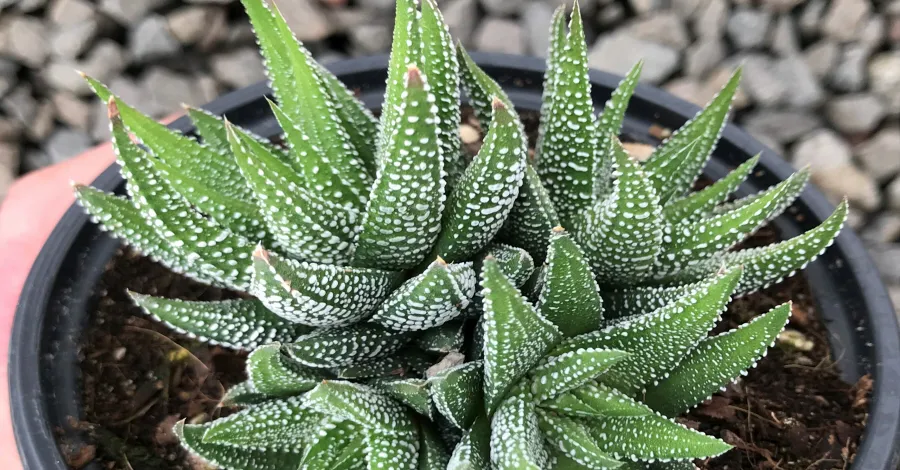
<point>516,336</point>
<point>639,300</point>
<point>358,121</point>
<point>555,50</point>
<point>441,66</point>
<point>701,203</point>
<point>410,392</point>
<point>569,297</point>
<point>392,450</point>
<point>793,186</point>
<point>243,394</point>
<point>318,294</point>
<point>675,170</point>
<point>622,234</point>
<point>716,362</point>
<point>336,347</point>
<point>651,437</point>
<point>573,440</point>
<point>408,362</point>
<point>406,48</point>
<point>569,144</point>
<point>473,452</point>
<point>593,400</point>
<point>336,445</point>
<point>531,218</point>
<point>515,262</point>
<point>658,341</point>
<point>304,224</point>
<point>767,265</point>
<point>484,195</point>
<point>239,324</point>
<point>362,405</point>
<point>516,442</point>
<point>609,123</point>
<point>457,393</point>
<point>480,88</point>
<point>282,425</point>
<point>228,456</point>
<point>216,251</point>
<point>433,454</point>
<point>430,299</point>
<point>403,216</point>
<point>214,134</point>
<point>272,373</point>
<point>446,338</point>
<point>561,373</point>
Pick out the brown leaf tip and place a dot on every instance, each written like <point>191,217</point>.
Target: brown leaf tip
<point>112,109</point>
<point>414,76</point>
<point>440,261</point>
<point>558,229</point>
<point>261,253</point>
<point>497,103</point>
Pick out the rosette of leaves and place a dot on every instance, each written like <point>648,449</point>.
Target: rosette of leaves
<point>358,243</point>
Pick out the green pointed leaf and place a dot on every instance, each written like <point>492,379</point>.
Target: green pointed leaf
<point>228,456</point>
<point>621,303</point>
<point>716,362</point>
<point>443,339</point>
<point>358,121</point>
<point>213,169</point>
<point>243,394</point>
<point>318,294</point>
<point>457,393</point>
<point>484,196</point>
<point>770,264</point>
<point>214,134</point>
<point>679,170</point>
<point>574,441</point>
<point>793,187</point>
<point>336,347</point>
<point>406,48</point>
<point>304,224</point>
<point>480,88</point>
<point>408,362</point>
<point>531,218</point>
<point>273,374</point>
<point>658,341</point>
<point>216,251</point>
<point>596,400</point>
<point>622,233</point>
<point>403,216</point>
<point>239,324</point>
<point>651,437</point>
<point>283,425</point>
<point>561,373</point>
<point>516,336</point>
<point>516,442</point>
<point>515,262</point>
<point>441,66</point>
<point>392,450</point>
<point>557,44</point>
<point>433,454</point>
<point>410,392</point>
<point>701,203</point>
<point>337,445</point>
<point>569,298</point>
<point>609,123</point>
<point>430,299</point>
<point>362,405</point>
<point>474,450</point>
<point>121,218</point>
<point>664,180</point>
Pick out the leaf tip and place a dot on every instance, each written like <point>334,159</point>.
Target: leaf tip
<point>414,76</point>
<point>112,108</point>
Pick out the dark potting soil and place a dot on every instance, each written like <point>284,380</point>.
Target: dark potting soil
<point>791,412</point>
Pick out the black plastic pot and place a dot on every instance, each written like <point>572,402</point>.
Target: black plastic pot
<point>59,293</point>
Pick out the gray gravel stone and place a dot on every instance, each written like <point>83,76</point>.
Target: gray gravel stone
<point>781,6</point>
<point>499,35</point>
<point>885,228</point>
<point>664,28</point>
<point>370,39</point>
<point>238,68</point>
<point>887,260</point>
<point>610,15</point>
<point>64,144</point>
<point>811,17</point>
<point>306,19</point>
<point>129,12</point>
<point>72,111</point>
<point>857,113</point>
<point>642,7</point>
<point>703,56</point>
<point>152,39</point>
<point>64,12</point>
<point>535,23</point>
<point>8,71</point>
<point>501,7</point>
<point>460,18</point>
<point>71,40</point>
<point>821,57</point>
<point>189,24</point>
<point>784,39</point>
<point>783,126</point>
<point>686,8</point>
<point>19,104</point>
<point>710,19</point>
<point>41,124</point>
<point>893,194</point>
<point>61,75</point>
<point>748,28</point>
<point>880,155</point>
<point>25,40</point>
<point>132,93</point>
<point>803,89</point>
<point>884,72</point>
<point>167,90</point>
<point>99,125</point>
<point>850,73</point>
<point>9,163</point>
<point>619,52</point>
<point>872,33</point>
<point>844,18</point>
<point>761,82</point>
<point>34,159</point>
<point>10,129</point>
<point>833,171</point>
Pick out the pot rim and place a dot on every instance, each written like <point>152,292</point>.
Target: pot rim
<point>880,445</point>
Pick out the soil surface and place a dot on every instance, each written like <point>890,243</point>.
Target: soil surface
<point>791,412</point>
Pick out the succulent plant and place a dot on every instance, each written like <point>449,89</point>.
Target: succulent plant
<point>409,307</point>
